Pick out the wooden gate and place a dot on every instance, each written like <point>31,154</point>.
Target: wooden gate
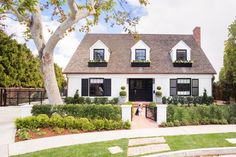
<point>151,113</point>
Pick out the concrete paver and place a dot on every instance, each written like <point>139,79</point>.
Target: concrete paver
<point>154,148</point>
<point>231,140</point>
<point>115,150</point>
<point>142,141</point>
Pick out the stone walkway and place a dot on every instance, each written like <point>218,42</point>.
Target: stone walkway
<point>141,122</point>
<point>147,146</point>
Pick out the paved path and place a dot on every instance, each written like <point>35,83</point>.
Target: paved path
<point>7,127</point>
<point>140,122</point>
<point>59,141</point>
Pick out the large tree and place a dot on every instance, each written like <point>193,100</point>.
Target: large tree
<point>19,67</point>
<point>228,72</point>
<point>68,13</point>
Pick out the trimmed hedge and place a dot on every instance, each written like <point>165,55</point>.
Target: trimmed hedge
<point>69,122</point>
<point>87,100</point>
<point>86,111</point>
<point>201,114</point>
<point>188,100</point>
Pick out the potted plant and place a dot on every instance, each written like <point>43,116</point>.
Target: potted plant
<point>123,95</point>
<point>158,95</point>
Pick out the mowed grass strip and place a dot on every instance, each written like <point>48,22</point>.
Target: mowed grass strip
<point>98,149</point>
<point>183,142</point>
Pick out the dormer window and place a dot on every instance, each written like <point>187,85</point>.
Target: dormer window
<point>140,54</point>
<point>98,54</point>
<point>181,54</point>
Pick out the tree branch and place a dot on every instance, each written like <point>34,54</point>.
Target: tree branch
<point>74,17</point>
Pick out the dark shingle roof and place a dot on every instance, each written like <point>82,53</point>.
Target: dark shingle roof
<point>119,62</point>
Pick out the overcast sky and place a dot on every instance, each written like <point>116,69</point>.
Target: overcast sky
<point>162,17</point>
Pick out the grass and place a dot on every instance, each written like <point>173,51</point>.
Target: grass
<point>199,141</point>
<point>100,149</point>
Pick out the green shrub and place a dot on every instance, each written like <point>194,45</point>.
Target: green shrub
<point>108,124</point>
<point>27,122</point>
<point>56,121</point>
<point>23,134</point>
<point>176,123</point>
<point>100,100</point>
<point>127,125</point>
<point>42,120</point>
<point>158,87</point>
<point>122,88</point>
<point>152,104</point>
<point>164,100</point>
<point>88,126</point>
<point>79,122</point>
<point>87,111</point>
<point>114,101</point>
<point>158,93</point>
<point>201,114</point>
<point>69,122</point>
<point>41,109</point>
<point>169,124</point>
<point>69,100</point>
<point>88,100</point>
<point>163,124</point>
<point>232,120</point>
<point>58,130</point>
<point>99,124</point>
<point>123,93</point>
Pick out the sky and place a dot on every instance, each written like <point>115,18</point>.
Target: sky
<point>159,17</point>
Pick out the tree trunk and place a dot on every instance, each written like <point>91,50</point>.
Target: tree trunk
<point>50,82</point>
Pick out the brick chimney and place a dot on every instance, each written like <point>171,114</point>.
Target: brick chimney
<point>197,35</point>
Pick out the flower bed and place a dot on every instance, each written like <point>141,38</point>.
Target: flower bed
<point>111,112</point>
<point>44,126</point>
<point>200,115</point>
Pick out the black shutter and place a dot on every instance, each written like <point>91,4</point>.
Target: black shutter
<point>173,87</point>
<point>84,87</point>
<point>107,87</point>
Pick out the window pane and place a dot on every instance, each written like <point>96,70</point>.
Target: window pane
<point>195,92</point>
<point>98,55</point>
<point>195,83</point>
<point>96,87</point>
<point>184,87</point>
<point>173,83</point>
<point>140,54</point>
<point>172,91</point>
<point>181,55</point>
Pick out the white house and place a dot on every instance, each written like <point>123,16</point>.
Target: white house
<point>104,62</point>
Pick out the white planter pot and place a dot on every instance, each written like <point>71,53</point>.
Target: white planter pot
<point>159,100</point>
<point>122,99</point>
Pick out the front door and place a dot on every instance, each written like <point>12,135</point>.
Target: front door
<point>140,89</point>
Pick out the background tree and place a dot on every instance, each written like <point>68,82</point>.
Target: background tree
<point>28,12</point>
<point>228,72</point>
<point>19,67</point>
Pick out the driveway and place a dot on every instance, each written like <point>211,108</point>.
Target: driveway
<point>7,127</point>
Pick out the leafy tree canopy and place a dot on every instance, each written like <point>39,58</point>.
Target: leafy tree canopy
<point>19,67</point>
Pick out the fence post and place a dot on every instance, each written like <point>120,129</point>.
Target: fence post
<point>29,97</point>
<point>161,114</point>
<point>126,112</point>
<point>17,98</point>
<point>0,97</point>
<point>41,97</point>
<point>5,97</point>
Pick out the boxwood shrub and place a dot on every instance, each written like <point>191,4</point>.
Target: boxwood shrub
<point>200,114</point>
<point>108,111</point>
<point>69,122</point>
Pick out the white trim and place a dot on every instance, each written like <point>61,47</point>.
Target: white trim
<point>140,45</point>
<point>100,45</point>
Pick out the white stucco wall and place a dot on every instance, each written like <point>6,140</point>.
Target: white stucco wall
<point>180,45</point>
<point>118,80</point>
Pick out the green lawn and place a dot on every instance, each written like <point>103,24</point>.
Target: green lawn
<point>99,149</point>
<point>199,141</point>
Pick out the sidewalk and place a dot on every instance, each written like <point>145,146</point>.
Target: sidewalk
<point>66,140</point>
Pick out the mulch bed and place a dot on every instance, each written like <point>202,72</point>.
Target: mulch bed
<point>48,133</point>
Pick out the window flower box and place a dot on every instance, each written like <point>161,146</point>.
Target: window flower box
<point>181,63</point>
<point>135,63</point>
<point>94,63</point>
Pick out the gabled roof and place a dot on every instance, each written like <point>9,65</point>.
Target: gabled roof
<point>181,43</point>
<point>140,43</point>
<point>119,62</point>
